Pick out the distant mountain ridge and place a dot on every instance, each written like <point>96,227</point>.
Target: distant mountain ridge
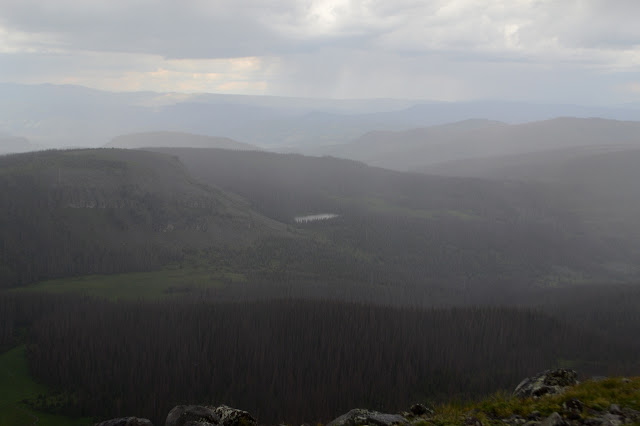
<point>418,148</point>
<point>15,144</point>
<point>167,139</point>
<point>88,117</point>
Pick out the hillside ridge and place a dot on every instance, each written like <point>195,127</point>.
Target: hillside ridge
<point>103,211</point>
<point>176,139</point>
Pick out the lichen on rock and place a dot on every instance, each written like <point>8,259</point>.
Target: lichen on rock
<point>548,382</point>
<point>360,417</point>
<point>126,421</point>
<point>191,415</point>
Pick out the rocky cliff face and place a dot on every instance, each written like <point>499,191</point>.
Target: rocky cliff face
<point>550,398</point>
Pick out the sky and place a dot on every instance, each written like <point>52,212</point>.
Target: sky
<point>560,51</point>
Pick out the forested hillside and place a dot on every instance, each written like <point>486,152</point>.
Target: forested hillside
<point>68,213</point>
<point>415,288</point>
<point>598,184</point>
<point>396,236</point>
<point>323,212</point>
<point>417,231</point>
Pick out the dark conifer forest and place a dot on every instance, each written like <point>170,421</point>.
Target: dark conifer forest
<point>290,360</point>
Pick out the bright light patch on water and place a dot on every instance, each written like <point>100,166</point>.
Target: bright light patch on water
<point>315,217</point>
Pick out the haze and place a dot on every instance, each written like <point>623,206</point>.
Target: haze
<point>300,207</point>
<point>584,52</point>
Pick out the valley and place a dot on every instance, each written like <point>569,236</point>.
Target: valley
<point>239,233</point>
<point>123,254</point>
<point>329,212</point>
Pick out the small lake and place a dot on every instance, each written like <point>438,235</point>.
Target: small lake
<point>315,217</point>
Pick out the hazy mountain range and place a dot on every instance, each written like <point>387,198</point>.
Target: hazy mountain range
<point>15,144</point>
<point>421,147</point>
<point>542,251</point>
<point>63,116</point>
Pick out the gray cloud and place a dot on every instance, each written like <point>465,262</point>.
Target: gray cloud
<point>446,49</point>
<point>168,28</point>
<point>224,28</point>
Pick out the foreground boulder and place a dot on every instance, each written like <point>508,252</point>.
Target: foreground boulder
<point>192,415</point>
<point>554,419</point>
<point>420,410</point>
<point>126,421</point>
<point>360,417</point>
<point>234,417</point>
<point>548,382</point>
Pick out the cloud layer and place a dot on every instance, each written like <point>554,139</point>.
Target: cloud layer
<point>570,51</point>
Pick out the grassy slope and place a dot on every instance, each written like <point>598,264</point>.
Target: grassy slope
<point>16,385</point>
<point>597,397</point>
<point>139,285</point>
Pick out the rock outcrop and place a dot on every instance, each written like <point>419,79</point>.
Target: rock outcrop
<point>542,387</point>
<point>554,419</point>
<point>234,417</point>
<point>126,421</point>
<point>192,415</point>
<point>420,410</point>
<point>360,417</point>
<point>548,382</point>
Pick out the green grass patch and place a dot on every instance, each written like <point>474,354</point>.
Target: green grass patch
<point>595,395</point>
<point>139,285</point>
<point>16,387</point>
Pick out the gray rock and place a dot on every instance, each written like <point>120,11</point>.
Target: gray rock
<point>553,420</point>
<point>420,410</point>
<point>534,415</point>
<point>126,421</point>
<point>615,409</point>
<point>547,382</point>
<point>360,417</point>
<point>611,420</point>
<point>515,420</point>
<point>472,421</point>
<point>234,417</point>
<point>572,409</point>
<point>199,423</point>
<point>631,414</point>
<point>191,415</point>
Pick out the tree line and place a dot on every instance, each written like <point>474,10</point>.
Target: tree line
<point>289,360</point>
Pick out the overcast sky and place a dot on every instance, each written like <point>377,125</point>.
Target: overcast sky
<point>574,51</point>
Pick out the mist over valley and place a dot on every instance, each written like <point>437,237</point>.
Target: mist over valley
<point>325,212</point>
